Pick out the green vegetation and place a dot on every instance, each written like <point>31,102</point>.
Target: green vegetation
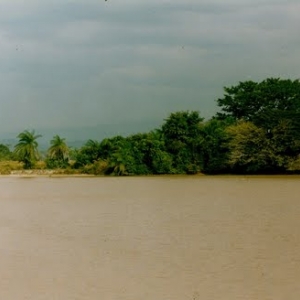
<point>5,153</point>
<point>58,153</point>
<point>256,131</point>
<point>26,150</point>
<point>8,166</point>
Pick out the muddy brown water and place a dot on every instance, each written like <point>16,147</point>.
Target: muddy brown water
<point>155,238</point>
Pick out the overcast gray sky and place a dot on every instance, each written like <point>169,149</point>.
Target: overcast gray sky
<point>90,62</point>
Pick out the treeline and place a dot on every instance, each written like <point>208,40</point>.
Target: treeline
<point>257,130</point>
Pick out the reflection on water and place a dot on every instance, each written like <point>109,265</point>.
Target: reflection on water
<point>150,238</point>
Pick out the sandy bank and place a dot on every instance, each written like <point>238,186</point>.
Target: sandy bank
<point>47,173</point>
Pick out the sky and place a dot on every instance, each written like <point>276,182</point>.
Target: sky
<point>94,63</point>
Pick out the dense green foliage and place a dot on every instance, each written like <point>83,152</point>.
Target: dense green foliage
<point>27,148</point>
<point>184,141</point>
<point>266,137</point>
<point>215,146</point>
<point>256,131</point>
<point>58,153</point>
<point>5,153</point>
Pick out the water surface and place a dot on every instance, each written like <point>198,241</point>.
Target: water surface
<point>155,238</point>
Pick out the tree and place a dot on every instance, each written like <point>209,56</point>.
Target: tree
<point>94,147</point>
<point>272,105</point>
<point>215,145</point>
<point>182,137</point>
<point>88,154</point>
<point>58,152</point>
<point>265,103</point>
<point>27,148</point>
<point>117,164</point>
<point>149,153</point>
<point>258,102</point>
<point>252,152</point>
<point>5,153</point>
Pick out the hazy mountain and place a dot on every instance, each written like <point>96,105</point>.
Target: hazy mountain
<point>76,137</point>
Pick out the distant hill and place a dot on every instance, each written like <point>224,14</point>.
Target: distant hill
<point>76,137</point>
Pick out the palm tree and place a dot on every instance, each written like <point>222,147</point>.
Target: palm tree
<point>27,148</point>
<point>92,149</point>
<point>93,144</point>
<point>116,165</point>
<point>58,150</point>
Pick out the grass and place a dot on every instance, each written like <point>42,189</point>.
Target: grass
<point>7,166</point>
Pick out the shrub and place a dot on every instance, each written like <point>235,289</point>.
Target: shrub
<point>7,166</point>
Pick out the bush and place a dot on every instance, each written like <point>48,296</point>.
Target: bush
<point>7,166</point>
<point>40,165</point>
<point>56,164</point>
<point>294,165</point>
<point>97,168</point>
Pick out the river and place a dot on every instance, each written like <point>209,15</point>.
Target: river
<point>150,238</point>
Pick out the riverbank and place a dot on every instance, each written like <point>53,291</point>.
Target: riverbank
<point>77,173</point>
<point>45,173</point>
<point>15,169</point>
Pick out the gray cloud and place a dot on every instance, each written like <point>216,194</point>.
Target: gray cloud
<point>83,63</point>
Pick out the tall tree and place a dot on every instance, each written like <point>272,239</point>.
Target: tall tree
<point>27,148</point>
<point>272,105</point>
<point>265,103</point>
<point>215,145</point>
<point>251,151</point>
<point>182,137</point>
<point>59,150</point>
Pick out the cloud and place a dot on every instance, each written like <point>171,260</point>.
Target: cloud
<point>75,63</point>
